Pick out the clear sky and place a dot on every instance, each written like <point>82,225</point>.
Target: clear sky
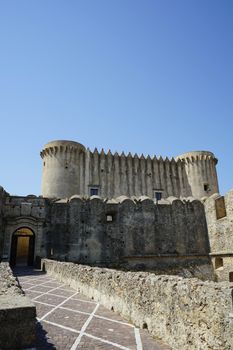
<point>146,76</point>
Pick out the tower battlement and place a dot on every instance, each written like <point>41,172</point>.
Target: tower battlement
<point>69,169</point>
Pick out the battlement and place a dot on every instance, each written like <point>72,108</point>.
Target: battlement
<point>51,148</point>
<point>69,168</point>
<point>196,156</point>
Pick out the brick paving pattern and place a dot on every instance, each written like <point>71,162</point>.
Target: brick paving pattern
<point>67,320</point>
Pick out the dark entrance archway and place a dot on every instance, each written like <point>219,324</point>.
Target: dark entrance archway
<point>22,247</point>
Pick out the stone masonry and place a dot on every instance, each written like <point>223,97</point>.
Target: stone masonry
<point>186,313</point>
<point>219,215</point>
<point>17,313</point>
<point>71,169</point>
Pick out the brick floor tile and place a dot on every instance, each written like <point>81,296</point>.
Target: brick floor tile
<point>53,284</point>
<point>65,293</point>
<point>51,299</point>
<point>32,294</point>
<point>102,311</point>
<point>51,337</point>
<point>151,344</point>
<point>82,297</point>
<point>41,309</point>
<point>80,306</point>
<point>100,334</point>
<point>68,318</point>
<point>112,331</point>
<point>87,343</point>
<point>41,289</point>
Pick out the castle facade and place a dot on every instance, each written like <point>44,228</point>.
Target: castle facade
<point>69,169</point>
<point>123,211</point>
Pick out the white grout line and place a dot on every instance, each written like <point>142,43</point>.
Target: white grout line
<point>22,284</point>
<point>84,327</point>
<point>35,291</point>
<point>56,307</point>
<point>138,339</point>
<point>35,279</point>
<point>86,334</point>
<point>36,285</point>
<point>85,301</point>
<point>57,295</point>
<point>97,316</point>
<point>47,292</point>
<point>60,326</point>
<point>111,320</point>
<point>76,311</point>
<point>63,296</point>
<point>68,289</point>
<point>40,302</point>
<point>105,341</point>
<point>87,313</point>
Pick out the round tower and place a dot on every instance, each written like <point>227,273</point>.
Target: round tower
<point>61,171</point>
<point>200,172</point>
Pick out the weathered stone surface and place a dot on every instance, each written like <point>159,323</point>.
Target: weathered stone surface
<point>17,313</point>
<point>69,169</point>
<point>188,314</point>
<point>131,233</point>
<point>8,283</point>
<point>220,230</point>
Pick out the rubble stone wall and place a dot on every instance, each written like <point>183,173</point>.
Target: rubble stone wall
<point>219,216</point>
<point>17,313</point>
<point>136,233</point>
<point>187,314</point>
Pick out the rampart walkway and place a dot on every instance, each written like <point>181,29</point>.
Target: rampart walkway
<point>68,320</point>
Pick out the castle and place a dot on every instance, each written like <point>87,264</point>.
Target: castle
<point>69,169</point>
<point>117,210</point>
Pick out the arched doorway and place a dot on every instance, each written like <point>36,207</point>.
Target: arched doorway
<point>22,247</point>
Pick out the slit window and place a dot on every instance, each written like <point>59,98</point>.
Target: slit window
<point>230,276</point>
<point>206,187</point>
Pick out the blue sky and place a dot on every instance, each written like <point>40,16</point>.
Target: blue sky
<point>152,77</point>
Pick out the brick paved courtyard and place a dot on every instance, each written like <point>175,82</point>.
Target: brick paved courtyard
<point>68,320</point>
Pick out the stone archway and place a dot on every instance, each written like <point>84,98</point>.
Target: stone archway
<point>22,247</point>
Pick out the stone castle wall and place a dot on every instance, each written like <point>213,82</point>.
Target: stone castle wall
<point>69,168</point>
<point>131,233</point>
<point>17,314</point>
<point>187,314</point>
<point>219,216</point>
<point>124,232</point>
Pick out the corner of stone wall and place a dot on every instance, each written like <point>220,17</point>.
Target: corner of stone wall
<point>17,314</point>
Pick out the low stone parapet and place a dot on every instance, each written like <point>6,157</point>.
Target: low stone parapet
<point>17,313</point>
<point>186,313</point>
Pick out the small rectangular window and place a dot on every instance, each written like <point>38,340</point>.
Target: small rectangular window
<point>94,191</point>
<point>220,208</point>
<point>158,195</point>
<point>109,217</point>
<point>206,187</point>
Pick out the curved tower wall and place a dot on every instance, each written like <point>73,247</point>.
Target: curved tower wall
<point>70,169</point>
<point>200,167</point>
<point>61,175</point>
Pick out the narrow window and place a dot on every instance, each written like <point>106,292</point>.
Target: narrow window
<point>109,217</point>
<point>94,191</point>
<point>230,276</point>
<point>158,195</point>
<point>206,187</point>
<point>218,262</point>
<point>220,208</point>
